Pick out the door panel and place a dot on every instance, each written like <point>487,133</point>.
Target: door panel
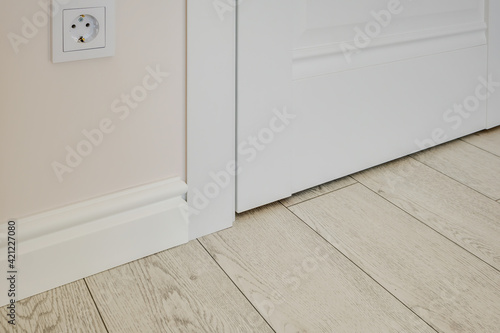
<point>320,22</point>
<point>324,28</point>
<point>353,120</point>
<point>264,84</point>
<point>353,111</point>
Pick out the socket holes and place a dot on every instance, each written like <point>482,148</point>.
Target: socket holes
<point>84,28</point>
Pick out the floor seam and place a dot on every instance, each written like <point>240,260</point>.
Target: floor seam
<point>323,194</point>
<point>480,148</point>
<point>234,283</point>
<point>455,180</point>
<point>362,270</point>
<point>96,306</point>
<point>428,226</point>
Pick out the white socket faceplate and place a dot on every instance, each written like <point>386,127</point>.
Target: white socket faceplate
<point>83,29</point>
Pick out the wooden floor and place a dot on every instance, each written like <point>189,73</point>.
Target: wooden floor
<point>410,246</point>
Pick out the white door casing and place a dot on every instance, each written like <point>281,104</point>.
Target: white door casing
<point>359,98</point>
<point>494,61</point>
<point>211,112</point>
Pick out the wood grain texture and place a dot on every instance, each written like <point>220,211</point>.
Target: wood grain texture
<point>467,164</point>
<point>299,282</point>
<point>65,309</point>
<point>179,290</point>
<point>317,191</point>
<point>461,214</point>
<point>444,284</point>
<point>488,140</point>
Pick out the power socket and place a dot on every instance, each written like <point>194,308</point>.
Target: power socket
<point>82,29</point>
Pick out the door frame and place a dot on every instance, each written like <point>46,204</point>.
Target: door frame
<point>493,12</point>
<point>211,115</point>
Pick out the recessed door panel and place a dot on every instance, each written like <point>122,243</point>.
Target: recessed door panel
<point>392,97</point>
<point>320,22</point>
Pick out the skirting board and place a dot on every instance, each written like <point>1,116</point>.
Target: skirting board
<point>65,245</point>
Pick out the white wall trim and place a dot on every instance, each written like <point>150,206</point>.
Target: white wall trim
<point>211,114</point>
<point>61,246</point>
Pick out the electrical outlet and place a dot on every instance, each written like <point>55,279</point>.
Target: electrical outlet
<point>82,29</point>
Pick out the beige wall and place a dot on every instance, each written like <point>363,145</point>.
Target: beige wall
<point>44,107</point>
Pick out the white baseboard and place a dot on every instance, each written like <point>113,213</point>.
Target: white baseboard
<point>67,244</point>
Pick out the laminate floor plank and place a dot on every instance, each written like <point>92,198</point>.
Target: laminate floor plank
<point>179,290</point>
<point>467,164</point>
<point>463,215</point>
<point>299,282</point>
<point>65,309</point>
<point>445,285</point>
<point>317,191</point>
<point>488,140</point>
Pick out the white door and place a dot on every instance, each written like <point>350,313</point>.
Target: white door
<point>327,88</point>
